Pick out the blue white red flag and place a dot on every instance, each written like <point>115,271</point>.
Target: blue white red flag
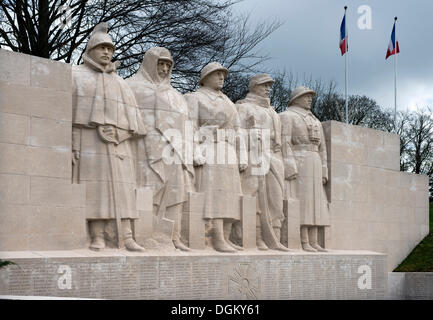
<point>393,47</point>
<point>344,47</point>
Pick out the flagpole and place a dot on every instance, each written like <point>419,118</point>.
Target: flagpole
<point>395,77</point>
<point>346,66</point>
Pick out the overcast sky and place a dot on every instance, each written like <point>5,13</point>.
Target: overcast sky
<point>307,43</point>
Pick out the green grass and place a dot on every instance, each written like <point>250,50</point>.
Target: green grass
<point>421,258</point>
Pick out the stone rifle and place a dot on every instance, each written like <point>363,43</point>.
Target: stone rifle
<point>110,141</point>
<point>265,216</point>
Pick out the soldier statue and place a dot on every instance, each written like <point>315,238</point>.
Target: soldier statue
<point>217,120</point>
<point>304,150</point>
<point>261,122</point>
<point>105,121</point>
<point>162,159</point>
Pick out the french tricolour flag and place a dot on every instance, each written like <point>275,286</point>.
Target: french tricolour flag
<point>343,37</point>
<point>393,45</point>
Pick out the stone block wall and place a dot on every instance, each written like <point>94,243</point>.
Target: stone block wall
<point>410,286</point>
<point>373,205</point>
<point>197,276</point>
<point>39,207</point>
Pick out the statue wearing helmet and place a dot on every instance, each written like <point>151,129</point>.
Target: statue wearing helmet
<point>105,122</point>
<point>306,170</point>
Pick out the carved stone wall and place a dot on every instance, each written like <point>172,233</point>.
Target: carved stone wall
<point>39,207</point>
<point>373,205</point>
<point>246,276</point>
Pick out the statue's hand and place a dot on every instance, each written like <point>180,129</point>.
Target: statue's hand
<point>108,134</point>
<point>243,167</point>
<point>199,160</point>
<point>324,180</point>
<point>292,177</point>
<point>109,131</point>
<point>75,156</point>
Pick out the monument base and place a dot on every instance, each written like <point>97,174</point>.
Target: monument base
<point>118,274</point>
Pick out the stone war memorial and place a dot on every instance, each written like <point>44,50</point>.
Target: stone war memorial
<point>128,189</point>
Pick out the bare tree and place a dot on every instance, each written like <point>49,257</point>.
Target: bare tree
<point>328,104</point>
<point>281,89</point>
<point>404,119</point>
<point>416,143</point>
<point>420,151</point>
<point>236,86</point>
<point>195,31</point>
<point>284,84</point>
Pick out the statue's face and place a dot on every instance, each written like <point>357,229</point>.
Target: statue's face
<point>163,68</point>
<point>215,80</point>
<point>305,101</point>
<point>262,89</point>
<point>102,54</point>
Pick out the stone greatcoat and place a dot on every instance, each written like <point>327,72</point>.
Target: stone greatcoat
<point>302,134</point>
<point>163,110</point>
<point>255,112</point>
<point>219,178</point>
<point>101,98</point>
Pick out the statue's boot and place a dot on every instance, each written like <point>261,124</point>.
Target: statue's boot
<point>129,242</point>
<point>98,244</point>
<point>176,231</point>
<point>131,245</point>
<point>277,232</point>
<point>318,247</point>
<point>227,230</point>
<point>305,240</point>
<point>306,247</point>
<point>280,247</point>
<point>179,245</point>
<point>261,245</point>
<point>218,240</point>
<point>97,234</point>
<point>235,246</point>
<point>314,241</point>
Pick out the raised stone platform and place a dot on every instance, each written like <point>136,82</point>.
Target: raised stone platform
<point>410,286</point>
<point>118,274</point>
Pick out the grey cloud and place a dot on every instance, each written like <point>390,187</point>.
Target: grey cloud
<point>308,43</point>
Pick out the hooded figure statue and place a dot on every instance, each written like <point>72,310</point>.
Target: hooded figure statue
<point>162,155</point>
<point>217,122</point>
<point>105,119</point>
<point>306,169</point>
<point>259,118</point>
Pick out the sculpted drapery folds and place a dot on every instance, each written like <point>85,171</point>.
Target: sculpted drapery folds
<point>143,133</point>
<point>265,178</point>
<point>105,119</point>
<point>306,168</point>
<point>216,122</point>
<point>162,154</point>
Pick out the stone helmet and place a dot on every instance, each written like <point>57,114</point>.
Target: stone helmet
<point>99,36</point>
<point>300,91</point>
<point>260,79</point>
<point>211,67</point>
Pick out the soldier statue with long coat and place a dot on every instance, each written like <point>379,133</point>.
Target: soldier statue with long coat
<point>263,128</point>
<point>217,121</point>
<point>105,119</point>
<point>304,150</point>
<point>163,164</point>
